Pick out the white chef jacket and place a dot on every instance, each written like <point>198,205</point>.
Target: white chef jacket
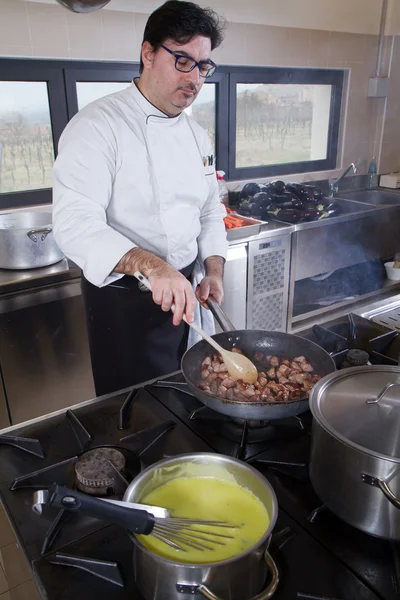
<point>128,176</point>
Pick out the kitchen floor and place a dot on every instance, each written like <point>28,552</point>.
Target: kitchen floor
<point>15,575</point>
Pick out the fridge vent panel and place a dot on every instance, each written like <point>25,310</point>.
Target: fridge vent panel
<point>268,312</point>
<point>269,271</point>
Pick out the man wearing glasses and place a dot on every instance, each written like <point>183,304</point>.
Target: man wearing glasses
<point>135,191</point>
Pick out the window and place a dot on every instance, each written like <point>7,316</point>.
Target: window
<point>89,91</point>
<point>26,144</point>
<point>87,82</point>
<point>278,124</point>
<point>33,114</point>
<point>262,121</point>
<point>282,120</point>
<point>203,110</point>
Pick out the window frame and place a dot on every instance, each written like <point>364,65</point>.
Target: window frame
<point>221,79</point>
<point>286,75</point>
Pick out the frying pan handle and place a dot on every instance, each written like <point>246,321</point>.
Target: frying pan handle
<point>222,319</point>
<point>138,521</point>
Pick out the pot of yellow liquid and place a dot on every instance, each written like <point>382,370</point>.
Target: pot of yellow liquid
<point>207,486</point>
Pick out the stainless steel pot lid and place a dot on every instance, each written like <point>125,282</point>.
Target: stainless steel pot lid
<point>361,407</point>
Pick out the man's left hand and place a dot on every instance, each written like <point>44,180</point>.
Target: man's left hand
<point>211,285</point>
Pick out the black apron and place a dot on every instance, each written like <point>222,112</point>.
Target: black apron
<point>131,339</point>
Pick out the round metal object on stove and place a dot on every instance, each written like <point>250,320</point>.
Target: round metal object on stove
<point>242,576</point>
<point>357,358</point>
<point>340,404</point>
<point>355,458</point>
<point>94,473</point>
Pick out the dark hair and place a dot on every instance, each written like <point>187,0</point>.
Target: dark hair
<point>181,21</point>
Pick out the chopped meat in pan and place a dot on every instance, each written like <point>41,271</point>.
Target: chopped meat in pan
<point>279,379</point>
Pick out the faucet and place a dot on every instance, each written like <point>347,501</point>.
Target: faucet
<point>334,183</point>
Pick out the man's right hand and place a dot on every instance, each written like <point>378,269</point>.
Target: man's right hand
<point>169,286</point>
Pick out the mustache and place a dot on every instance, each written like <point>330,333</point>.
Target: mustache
<point>188,86</point>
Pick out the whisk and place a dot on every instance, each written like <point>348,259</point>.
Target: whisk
<point>138,518</point>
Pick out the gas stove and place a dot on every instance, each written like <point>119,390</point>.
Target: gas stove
<point>74,557</point>
<point>355,341</point>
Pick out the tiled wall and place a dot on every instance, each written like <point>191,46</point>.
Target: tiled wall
<point>42,30</point>
<point>390,154</point>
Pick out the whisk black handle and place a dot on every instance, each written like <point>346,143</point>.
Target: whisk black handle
<point>138,521</point>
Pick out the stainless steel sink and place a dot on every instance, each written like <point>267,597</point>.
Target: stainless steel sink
<point>376,197</point>
<point>350,206</point>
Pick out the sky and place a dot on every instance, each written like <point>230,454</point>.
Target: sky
<point>23,96</point>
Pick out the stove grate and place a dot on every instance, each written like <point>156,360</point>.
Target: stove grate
<point>45,477</point>
<point>125,411</point>
<point>316,512</point>
<point>29,445</point>
<point>295,470</point>
<point>132,446</point>
<point>302,596</point>
<point>146,438</point>
<point>395,549</point>
<point>82,436</point>
<point>107,570</point>
<point>203,412</point>
<point>63,517</point>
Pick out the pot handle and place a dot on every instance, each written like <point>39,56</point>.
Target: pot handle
<point>383,486</point>
<point>387,387</point>
<point>222,319</point>
<point>32,234</point>
<point>264,595</point>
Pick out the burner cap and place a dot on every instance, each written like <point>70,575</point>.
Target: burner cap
<point>94,474</point>
<point>357,358</point>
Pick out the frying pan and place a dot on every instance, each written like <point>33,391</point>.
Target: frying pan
<point>250,342</point>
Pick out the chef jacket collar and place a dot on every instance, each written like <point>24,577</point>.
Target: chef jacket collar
<point>152,112</point>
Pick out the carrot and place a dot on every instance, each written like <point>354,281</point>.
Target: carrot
<point>233,221</point>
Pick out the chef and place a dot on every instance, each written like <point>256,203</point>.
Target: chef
<point>134,189</point>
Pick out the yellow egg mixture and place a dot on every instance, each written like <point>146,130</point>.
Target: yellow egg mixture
<point>206,498</point>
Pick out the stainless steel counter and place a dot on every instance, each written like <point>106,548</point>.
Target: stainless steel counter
<point>65,270</point>
<point>266,229</point>
<point>14,281</point>
<point>44,353</point>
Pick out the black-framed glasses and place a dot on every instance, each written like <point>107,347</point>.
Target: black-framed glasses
<point>185,64</point>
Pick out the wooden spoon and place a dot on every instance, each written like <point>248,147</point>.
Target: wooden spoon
<point>238,365</point>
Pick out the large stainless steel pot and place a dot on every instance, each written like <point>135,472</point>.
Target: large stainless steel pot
<point>26,241</point>
<point>355,458</point>
<point>239,578</point>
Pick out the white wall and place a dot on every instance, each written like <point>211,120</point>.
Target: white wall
<point>369,126</point>
<point>393,22</point>
<point>357,16</point>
